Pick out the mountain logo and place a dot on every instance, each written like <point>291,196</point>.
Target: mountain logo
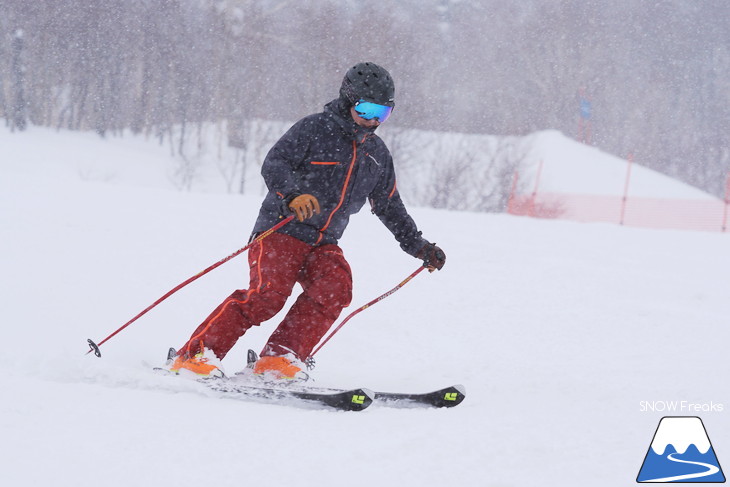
<point>680,452</point>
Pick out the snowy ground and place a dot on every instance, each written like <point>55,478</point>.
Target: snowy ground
<point>558,330</point>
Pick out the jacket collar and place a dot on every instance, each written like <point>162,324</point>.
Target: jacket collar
<point>340,113</point>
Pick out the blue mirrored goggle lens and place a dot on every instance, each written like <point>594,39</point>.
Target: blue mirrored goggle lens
<point>369,111</point>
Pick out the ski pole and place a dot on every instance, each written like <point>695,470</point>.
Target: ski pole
<point>94,347</point>
<point>363,308</point>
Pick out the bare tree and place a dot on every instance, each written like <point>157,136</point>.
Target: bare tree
<point>505,158</point>
<point>18,109</point>
<point>658,83</point>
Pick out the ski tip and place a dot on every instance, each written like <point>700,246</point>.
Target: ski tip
<point>350,400</point>
<point>356,399</point>
<point>453,396</point>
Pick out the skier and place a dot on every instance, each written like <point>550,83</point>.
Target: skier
<point>322,170</point>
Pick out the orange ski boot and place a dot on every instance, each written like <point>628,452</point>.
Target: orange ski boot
<point>280,367</point>
<point>204,364</point>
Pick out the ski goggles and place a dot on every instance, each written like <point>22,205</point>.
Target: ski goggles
<point>369,110</point>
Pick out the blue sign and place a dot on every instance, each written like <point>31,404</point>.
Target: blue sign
<point>585,108</point>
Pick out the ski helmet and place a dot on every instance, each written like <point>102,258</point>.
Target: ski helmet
<point>369,82</point>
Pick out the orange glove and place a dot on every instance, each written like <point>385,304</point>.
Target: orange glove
<point>304,206</point>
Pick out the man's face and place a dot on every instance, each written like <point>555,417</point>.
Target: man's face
<point>363,122</point>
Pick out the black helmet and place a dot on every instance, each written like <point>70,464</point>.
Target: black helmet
<point>369,82</point>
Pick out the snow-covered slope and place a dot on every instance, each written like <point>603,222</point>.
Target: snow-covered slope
<point>554,163</point>
<point>572,167</point>
<point>558,330</point>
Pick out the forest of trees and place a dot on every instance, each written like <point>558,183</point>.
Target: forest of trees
<point>656,74</point>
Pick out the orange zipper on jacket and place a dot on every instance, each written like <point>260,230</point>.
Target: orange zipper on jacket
<point>344,188</point>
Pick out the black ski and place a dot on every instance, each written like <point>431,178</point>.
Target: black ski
<point>338,399</point>
<point>343,400</point>
<point>447,397</point>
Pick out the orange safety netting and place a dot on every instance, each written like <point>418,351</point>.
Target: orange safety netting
<point>685,214</point>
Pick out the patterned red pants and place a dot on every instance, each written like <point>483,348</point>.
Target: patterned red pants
<point>277,263</point>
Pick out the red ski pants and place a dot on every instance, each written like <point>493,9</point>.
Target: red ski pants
<point>277,263</point>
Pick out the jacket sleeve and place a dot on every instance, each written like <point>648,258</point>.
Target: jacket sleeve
<point>387,205</point>
<point>285,160</point>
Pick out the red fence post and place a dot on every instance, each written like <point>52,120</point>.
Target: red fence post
<point>531,210</point>
<point>510,201</point>
<point>626,189</point>
<point>727,203</point>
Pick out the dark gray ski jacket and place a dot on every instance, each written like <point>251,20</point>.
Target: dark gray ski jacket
<point>342,164</point>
